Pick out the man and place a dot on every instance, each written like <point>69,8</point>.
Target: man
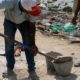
<point>77,64</point>
<point>76,12</point>
<point>74,22</point>
<point>20,14</point>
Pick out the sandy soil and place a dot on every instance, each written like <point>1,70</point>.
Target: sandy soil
<point>46,44</point>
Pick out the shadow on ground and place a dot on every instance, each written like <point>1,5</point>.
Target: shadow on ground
<point>70,77</point>
<point>27,79</point>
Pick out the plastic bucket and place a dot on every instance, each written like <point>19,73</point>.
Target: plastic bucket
<point>64,68</point>
<point>50,66</point>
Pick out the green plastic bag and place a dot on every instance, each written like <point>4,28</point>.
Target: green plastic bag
<point>68,27</point>
<point>56,27</point>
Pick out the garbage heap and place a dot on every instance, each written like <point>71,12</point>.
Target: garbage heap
<point>59,23</point>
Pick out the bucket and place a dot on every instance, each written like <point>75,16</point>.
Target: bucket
<point>63,68</point>
<point>50,66</point>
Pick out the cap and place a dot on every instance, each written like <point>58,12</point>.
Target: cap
<point>28,4</point>
<point>31,6</point>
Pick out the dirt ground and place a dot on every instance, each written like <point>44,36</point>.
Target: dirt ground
<point>46,44</point>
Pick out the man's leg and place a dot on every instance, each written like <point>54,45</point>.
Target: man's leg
<point>9,30</point>
<point>27,30</point>
<point>27,40</point>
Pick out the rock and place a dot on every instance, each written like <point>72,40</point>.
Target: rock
<point>67,9</point>
<point>72,53</point>
<point>59,4</point>
<point>77,62</point>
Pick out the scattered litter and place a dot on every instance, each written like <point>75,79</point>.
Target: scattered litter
<point>60,23</point>
<point>77,62</point>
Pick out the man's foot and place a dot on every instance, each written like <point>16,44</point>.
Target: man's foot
<point>33,76</point>
<point>10,75</point>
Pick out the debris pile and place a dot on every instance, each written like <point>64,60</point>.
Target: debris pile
<point>60,5</point>
<point>59,23</point>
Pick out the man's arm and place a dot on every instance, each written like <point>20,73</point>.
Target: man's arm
<point>77,9</point>
<point>7,4</point>
<point>76,12</point>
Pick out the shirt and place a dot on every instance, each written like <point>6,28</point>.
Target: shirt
<point>13,13</point>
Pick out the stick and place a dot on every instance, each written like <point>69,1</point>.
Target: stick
<point>25,46</point>
<point>46,55</point>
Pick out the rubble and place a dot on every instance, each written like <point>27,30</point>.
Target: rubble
<point>55,22</point>
<point>62,5</point>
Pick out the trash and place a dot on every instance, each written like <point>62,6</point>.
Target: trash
<point>74,39</point>
<point>76,62</point>
<point>47,24</point>
<point>69,27</point>
<point>60,23</point>
<point>56,27</point>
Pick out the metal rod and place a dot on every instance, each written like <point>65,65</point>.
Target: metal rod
<point>46,55</point>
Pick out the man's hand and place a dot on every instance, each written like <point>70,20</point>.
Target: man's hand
<point>34,49</point>
<point>74,20</point>
<point>18,50</point>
